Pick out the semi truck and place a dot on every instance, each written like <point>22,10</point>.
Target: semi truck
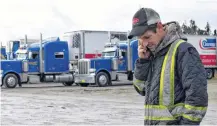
<point>47,60</point>
<point>116,58</point>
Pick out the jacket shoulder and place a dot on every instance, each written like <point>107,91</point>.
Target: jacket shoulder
<point>185,46</point>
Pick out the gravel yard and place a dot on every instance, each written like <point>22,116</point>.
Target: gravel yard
<point>54,104</point>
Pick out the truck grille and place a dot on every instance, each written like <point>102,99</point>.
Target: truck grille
<point>83,66</point>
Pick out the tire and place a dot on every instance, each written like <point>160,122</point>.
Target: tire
<point>68,83</point>
<point>84,84</point>
<point>130,76</point>
<point>102,79</point>
<point>209,73</point>
<point>10,81</point>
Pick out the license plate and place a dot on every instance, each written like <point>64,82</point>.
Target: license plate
<point>82,81</point>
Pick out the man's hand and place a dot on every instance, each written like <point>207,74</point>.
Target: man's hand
<point>143,53</point>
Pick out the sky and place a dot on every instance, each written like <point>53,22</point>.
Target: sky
<point>54,17</point>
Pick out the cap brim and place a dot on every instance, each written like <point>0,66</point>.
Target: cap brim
<point>137,31</point>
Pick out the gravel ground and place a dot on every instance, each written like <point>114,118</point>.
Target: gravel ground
<point>54,104</point>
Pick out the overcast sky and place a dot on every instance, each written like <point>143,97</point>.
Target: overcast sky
<point>54,17</point>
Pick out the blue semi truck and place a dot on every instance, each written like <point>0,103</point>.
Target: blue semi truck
<point>116,58</point>
<point>48,60</point>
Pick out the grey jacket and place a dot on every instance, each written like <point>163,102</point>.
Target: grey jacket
<point>190,76</point>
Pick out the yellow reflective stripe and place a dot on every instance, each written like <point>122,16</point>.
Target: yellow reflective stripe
<point>162,79</point>
<point>172,74</point>
<point>158,118</point>
<point>172,118</point>
<point>155,107</point>
<point>191,118</point>
<point>135,84</point>
<point>138,81</point>
<point>195,108</point>
<point>137,87</point>
<point>189,107</point>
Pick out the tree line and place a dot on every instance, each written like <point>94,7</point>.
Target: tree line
<point>193,29</point>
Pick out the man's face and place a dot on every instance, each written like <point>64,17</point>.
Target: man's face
<point>151,39</point>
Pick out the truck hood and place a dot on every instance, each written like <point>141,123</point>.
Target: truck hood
<point>101,63</point>
<point>11,65</point>
<point>10,61</point>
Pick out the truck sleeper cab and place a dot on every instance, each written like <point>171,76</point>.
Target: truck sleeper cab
<point>53,66</point>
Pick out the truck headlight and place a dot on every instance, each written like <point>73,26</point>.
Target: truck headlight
<point>1,72</point>
<point>92,70</point>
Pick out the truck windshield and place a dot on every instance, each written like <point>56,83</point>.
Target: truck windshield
<point>21,56</point>
<point>108,54</point>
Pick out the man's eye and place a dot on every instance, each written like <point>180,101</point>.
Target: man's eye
<point>146,37</point>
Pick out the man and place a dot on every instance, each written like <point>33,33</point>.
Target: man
<point>169,72</point>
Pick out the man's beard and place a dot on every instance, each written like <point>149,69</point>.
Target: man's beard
<point>153,48</point>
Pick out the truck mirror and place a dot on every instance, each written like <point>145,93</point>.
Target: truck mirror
<point>119,53</point>
<point>30,55</point>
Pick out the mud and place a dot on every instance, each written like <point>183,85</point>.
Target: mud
<point>54,104</point>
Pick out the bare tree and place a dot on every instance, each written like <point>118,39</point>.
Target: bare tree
<point>207,28</point>
<point>193,26</point>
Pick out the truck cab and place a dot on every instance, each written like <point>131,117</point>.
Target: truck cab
<point>47,60</point>
<point>119,51</point>
<point>101,71</point>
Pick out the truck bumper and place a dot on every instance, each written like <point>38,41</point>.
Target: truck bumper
<point>90,78</point>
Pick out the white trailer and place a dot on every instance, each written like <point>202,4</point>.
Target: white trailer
<point>206,46</point>
<point>90,43</point>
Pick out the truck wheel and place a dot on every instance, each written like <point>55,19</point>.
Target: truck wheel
<point>102,79</point>
<point>209,73</point>
<point>130,76</point>
<point>10,81</point>
<point>84,84</point>
<point>68,83</point>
